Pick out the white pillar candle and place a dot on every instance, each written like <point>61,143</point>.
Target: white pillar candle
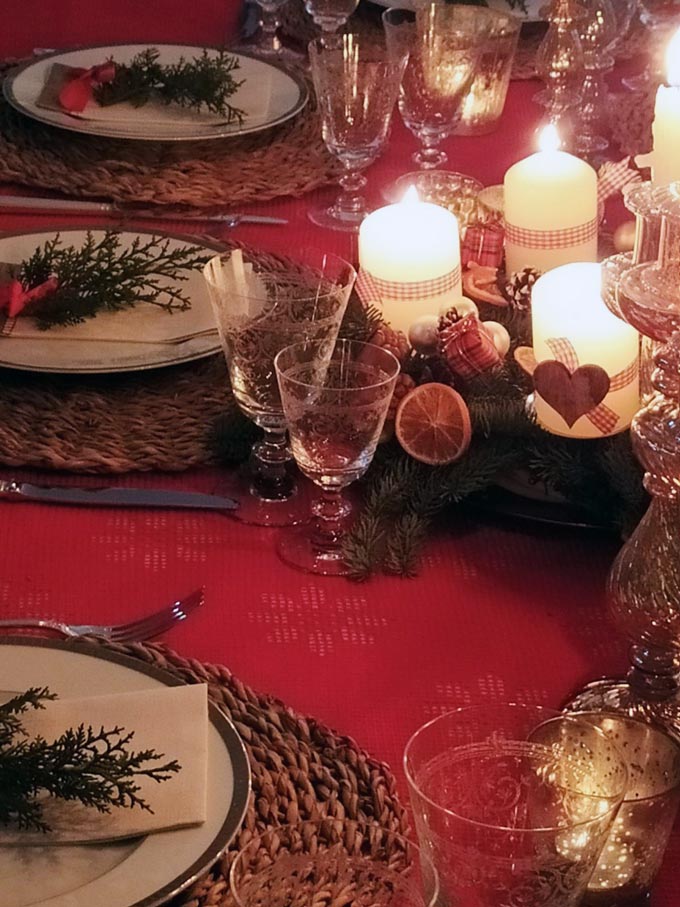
<point>550,209</point>
<point>586,380</point>
<point>409,256</point>
<point>665,158</point>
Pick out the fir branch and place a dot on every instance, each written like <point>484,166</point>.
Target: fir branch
<point>103,275</point>
<point>360,322</point>
<point>406,539</point>
<point>206,81</point>
<point>97,768</point>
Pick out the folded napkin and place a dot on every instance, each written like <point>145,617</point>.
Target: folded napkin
<point>143,323</point>
<point>173,721</point>
<point>259,97</point>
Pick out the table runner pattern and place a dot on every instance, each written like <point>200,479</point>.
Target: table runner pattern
<point>300,768</point>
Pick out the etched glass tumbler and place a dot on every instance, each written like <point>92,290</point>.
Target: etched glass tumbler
<point>332,862</point>
<point>513,803</point>
<point>356,80</point>
<point>260,307</point>
<point>443,56</point>
<point>335,400</point>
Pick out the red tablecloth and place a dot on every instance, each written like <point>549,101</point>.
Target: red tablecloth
<point>500,611</point>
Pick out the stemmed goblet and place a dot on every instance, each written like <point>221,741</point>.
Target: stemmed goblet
<point>267,43</point>
<point>335,399</point>
<point>660,18</point>
<point>261,307</point>
<point>442,63</point>
<point>330,15</point>
<point>356,80</point>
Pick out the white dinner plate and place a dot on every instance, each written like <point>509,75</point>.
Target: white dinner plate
<point>268,96</point>
<point>142,872</point>
<point>71,349</point>
<point>532,14</point>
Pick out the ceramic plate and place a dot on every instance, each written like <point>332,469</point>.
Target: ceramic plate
<point>532,7</point>
<point>142,872</point>
<point>269,96</point>
<point>95,346</point>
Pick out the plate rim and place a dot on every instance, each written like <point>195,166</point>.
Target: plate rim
<point>223,725</point>
<point>213,245</point>
<point>78,125</point>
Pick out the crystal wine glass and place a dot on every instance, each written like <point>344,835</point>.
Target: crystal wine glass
<point>261,307</point>
<point>330,15</point>
<point>442,63</point>
<point>660,18</point>
<point>356,80</point>
<point>335,400</point>
<point>268,43</point>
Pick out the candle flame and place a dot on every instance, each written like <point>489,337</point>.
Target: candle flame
<point>410,196</point>
<point>673,60</point>
<point>549,139</point>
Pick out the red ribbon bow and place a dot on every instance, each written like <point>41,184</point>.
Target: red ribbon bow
<point>78,89</point>
<point>14,298</point>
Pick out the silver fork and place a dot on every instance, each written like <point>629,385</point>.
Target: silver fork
<point>133,631</point>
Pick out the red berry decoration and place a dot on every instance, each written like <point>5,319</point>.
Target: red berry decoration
<point>468,349</point>
<point>393,341</point>
<point>404,385</point>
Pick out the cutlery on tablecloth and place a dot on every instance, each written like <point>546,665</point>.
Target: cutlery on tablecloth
<point>116,497</point>
<point>132,631</point>
<point>35,205</point>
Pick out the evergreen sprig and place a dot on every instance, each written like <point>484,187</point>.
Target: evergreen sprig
<point>206,81</point>
<point>97,768</point>
<point>103,275</point>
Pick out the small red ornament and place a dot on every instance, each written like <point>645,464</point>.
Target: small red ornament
<point>468,349</point>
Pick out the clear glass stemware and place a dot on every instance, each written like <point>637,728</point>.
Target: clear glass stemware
<point>330,15</point>
<point>335,399</point>
<point>267,43</point>
<point>261,307</point>
<point>443,54</point>
<point>356,81</point>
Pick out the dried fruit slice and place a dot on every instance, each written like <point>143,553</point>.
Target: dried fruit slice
<point>433,424</point>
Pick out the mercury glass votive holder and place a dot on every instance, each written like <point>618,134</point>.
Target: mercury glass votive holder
<point>457,192</point>
<point>513,803</point>
<point>634,850</point>
<point>485,101</point>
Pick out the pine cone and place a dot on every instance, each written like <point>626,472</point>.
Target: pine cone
<point>404,384</point>
<point>518,288</point>
<point>393,341</point>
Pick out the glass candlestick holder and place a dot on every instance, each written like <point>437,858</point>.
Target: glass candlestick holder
<point>644,584</point>
<point>597,31</point>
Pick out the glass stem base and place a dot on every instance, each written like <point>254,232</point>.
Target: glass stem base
<point>318,548</point>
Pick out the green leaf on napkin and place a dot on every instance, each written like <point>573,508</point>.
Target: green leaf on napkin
<point>104,275</point>
<point>94,767</point>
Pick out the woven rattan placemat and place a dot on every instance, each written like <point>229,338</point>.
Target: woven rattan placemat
<point>300,768</point>
<point>162,419</point>
<point>288,160</point>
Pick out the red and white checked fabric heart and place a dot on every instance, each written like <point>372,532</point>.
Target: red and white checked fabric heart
<point>602,417</point>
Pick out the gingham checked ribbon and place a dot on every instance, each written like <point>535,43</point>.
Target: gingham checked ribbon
<point>602,417</point>
<point>551,239</point>
<point>612,178</point>
<point>373,290</point>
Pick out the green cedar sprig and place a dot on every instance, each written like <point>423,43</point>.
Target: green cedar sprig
<point>204,82</point>
<point>94,767</point>
<point>103,275</point>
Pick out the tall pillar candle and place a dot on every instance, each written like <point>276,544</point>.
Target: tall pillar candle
<point>665,158</point>
<point>586,377</point>
<point>550,209</point>
<point>409,257</point>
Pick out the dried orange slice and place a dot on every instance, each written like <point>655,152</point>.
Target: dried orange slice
<point>433,424</point>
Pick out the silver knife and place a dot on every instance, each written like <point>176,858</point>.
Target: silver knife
<point>37,205</point>
<point>116,497</point>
